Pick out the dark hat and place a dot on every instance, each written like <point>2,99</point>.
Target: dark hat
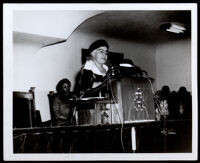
<point>97,44</point>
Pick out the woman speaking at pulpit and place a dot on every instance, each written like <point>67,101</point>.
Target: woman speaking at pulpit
<point>92,75</point>
<point>94,71</point>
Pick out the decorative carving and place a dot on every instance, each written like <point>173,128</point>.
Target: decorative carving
<point>139,100</point>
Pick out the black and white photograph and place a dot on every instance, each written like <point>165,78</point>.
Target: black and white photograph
<point>100,81</point>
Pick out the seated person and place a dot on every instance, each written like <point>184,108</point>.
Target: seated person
<point>61,107</point>
<point>185,103</point>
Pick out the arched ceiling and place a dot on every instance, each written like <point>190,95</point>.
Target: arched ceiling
<point>137,25</point>
<point>57,26</point>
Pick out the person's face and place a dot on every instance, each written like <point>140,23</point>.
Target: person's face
<point>66,88</point>
<point>100,55</point>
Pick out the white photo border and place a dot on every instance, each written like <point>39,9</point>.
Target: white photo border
<point>8,78</point>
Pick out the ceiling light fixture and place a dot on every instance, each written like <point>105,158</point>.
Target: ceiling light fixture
<point>173,27</point>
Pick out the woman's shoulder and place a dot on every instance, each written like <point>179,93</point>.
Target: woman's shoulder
<point>88,64</point>
<point>87,72</point>
<point>90,74</point>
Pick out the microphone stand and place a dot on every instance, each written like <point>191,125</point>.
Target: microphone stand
<point>109,74</point>
<point>107,85</point>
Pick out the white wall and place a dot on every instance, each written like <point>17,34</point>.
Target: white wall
<point>52,23</point>
<point>23,63</point>
<point>173,62</point>
<point>142,54</point>
<point>43,68</point>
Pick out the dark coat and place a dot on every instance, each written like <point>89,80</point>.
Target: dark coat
<point>86,81</point>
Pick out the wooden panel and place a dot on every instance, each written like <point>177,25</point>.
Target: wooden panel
<point>23,109</point>
<point>137,99</point>
<point>103,113</point>
<point>22,116</point>
<point>117,110</point>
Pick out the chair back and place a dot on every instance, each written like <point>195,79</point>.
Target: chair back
<point>51,96</point>
<point>24,111</point>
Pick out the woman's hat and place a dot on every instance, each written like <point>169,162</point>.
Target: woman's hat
<point>98,44</point>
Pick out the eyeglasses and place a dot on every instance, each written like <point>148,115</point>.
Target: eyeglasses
<point>102,51</point>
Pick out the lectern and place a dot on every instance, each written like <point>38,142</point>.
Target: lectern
<point>130,99</point>
<point>133,98</point>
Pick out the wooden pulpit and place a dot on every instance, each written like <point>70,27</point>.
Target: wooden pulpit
<point>134,100</point>
<point>130,99</point>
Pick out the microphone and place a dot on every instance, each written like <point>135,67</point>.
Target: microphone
<point>113,70</point>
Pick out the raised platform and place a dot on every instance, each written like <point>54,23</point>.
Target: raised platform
<point>115,138</point>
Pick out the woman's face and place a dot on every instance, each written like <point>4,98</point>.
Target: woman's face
<point>100,54</point>
<point>66,88</point>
